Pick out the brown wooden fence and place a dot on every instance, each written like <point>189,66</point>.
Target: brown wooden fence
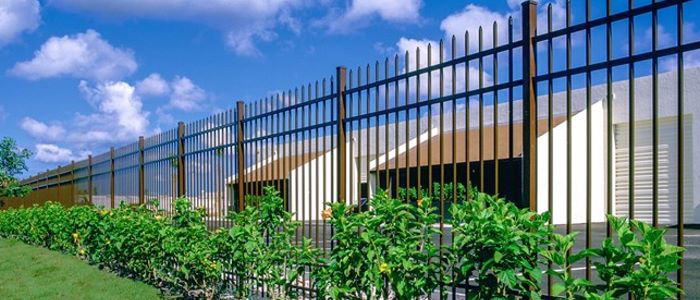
<point>506,118</point>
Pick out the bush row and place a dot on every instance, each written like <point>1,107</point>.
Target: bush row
<point>388,251</point>
<point>175,253</point>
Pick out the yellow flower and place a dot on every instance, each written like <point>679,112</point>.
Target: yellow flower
<point>82,251</point>
<point>213,265</point>
<point>108,242</point>
<point>103,212</point>
<point>75,235</point>
<point>384,268</point>
<point>158,217</point>
<point>420,202</point>
<point>327,213</point>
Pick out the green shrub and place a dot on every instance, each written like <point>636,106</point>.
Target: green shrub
<point>134,241</point>
<point>259,249</point>
<point>129,241</point>
<point>390,243</point>
<point>558,255</point>
<point>636,260</point>
<point>384,252</point>
<point>189,254</point>
<point>497,245</point>
<point>453,193</point>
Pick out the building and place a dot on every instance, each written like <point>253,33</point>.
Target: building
<point>310,175</point>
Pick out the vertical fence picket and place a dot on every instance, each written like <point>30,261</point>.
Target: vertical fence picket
<point>111,178</point>
<point>89,178</point>
<point>181,160</point>
<point>240,154</point>
<point>142,176</point>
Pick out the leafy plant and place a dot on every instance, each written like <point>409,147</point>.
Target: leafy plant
<point>497,245</point>
<point>638,262</point>
<point>188,248</point>
<point>451,194</point>
<point>635,261</point>
<point>260,249</point>
<point>561,246</point>
<point>386,252</point>
<point>12,163</point>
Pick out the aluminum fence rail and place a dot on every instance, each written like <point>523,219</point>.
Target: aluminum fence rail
<point>552,118</point>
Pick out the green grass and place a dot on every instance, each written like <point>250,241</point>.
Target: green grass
<point>28,272</point>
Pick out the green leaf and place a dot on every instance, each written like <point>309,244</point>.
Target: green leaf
<point>507,277</point>
<point>557,289</point>
<point>670,250</point>
<point>497,256</point>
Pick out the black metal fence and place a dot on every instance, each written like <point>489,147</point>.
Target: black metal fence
<point>545,116</point>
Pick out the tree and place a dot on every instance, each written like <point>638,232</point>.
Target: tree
<point>12,163</point>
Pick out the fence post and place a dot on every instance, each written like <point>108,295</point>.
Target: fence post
<point>58,184</point>
<point>529,28</point>
<point>240,154</point>
<point>111,177</point>
<point>181,159</point>
<point>340,90</point>
<point>72,181</point>
<point>141,171</point>
<point>89,176</point>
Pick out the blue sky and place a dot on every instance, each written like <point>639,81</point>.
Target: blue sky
<point>79,76</point>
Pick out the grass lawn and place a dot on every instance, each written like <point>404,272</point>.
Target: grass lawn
<point>28,272</point>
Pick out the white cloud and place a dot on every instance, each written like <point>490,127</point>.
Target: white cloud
<point>186,95</point>
<point>16,17</point>
<point>359,13</point>
<point>165,118</point>
<point>84,55</point>
<point>286,19</point>
<point>474,16</point>
<point>153,85</point>
<point>514,4</point>
<point>50,153</point>
<point>183,93</point>
<point>558,15</point>
<point>119,113</point>
<point>411,45</point>
<point>43,131</point>
<point>388,10</point>
<point>384,50</point>
<point>470,19</point>
<point>244,22</point>
<point>118,118</point>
